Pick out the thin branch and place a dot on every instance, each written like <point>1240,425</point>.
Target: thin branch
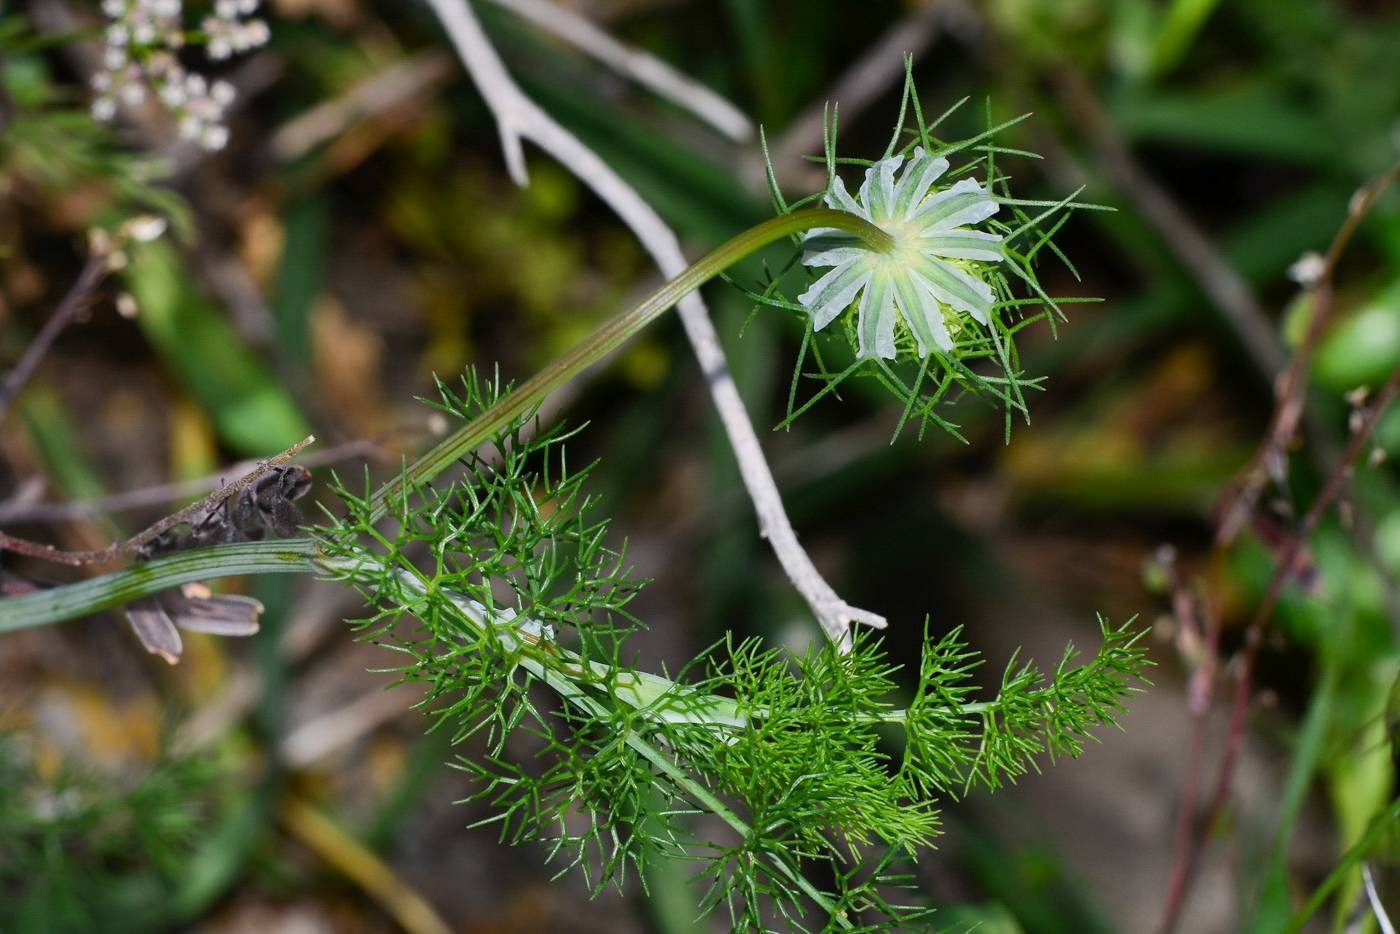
<point>1238,502</point>
<point>863,82</point>
<point>324,734</point>
<point>1221,282</point>
<point>385,92</point>
<point>22,509</point>
<point>642,67</point>
<point>88,279</point>
<point>519,118</point>
<point>1373,898</point>
<point>1239,499</point>
<point>117,549</point>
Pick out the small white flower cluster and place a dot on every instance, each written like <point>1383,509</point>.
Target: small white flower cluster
<point>143,37</point>
<point>228,33</point>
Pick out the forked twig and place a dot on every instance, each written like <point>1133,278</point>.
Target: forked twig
<point>519,118</point>
<point>117,549</point>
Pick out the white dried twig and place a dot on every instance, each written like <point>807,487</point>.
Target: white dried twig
<point>387,91</point>
<point>519,118</point>
<point>1372,896</point>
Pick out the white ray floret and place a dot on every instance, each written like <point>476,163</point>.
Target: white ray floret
<point>930,281</point>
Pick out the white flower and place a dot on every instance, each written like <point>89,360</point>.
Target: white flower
<point>1307,269</point>
<point>142,39</point>
<point>172,93</point>
<point>256,33</point>
<point>146,227</point>
<point>930,282</point>
<point>222,93</point>
<point>132,94</point>
<point>214,137</point>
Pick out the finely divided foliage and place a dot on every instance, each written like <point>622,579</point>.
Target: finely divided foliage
<point>774,772</point>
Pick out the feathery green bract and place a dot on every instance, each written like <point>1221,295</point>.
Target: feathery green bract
<point>501,594</point>
<point>973,350</point>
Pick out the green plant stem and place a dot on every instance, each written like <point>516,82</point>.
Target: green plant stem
<point>60,603</point>
<point>611,335</point>
<point>66,602</point>
<point>658,697</point>
<point>1348,863</point>
<point>662,697</point>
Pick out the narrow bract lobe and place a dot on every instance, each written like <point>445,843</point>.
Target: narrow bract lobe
<point>932,284</point>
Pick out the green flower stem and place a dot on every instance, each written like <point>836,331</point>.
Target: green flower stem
<point>60,603</point>
<point>140,580</point>
<point>658,697</point>
<point>611,335</point>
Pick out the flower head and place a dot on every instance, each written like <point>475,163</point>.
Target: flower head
<point>142,39</point>
<point>932,284</point>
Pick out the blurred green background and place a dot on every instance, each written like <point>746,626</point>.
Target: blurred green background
<point>360,234</point>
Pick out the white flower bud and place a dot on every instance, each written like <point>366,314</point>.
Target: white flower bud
<point>132,93</point>
<point>256,33</point>
<point>214,137</point>
<point>146,227</point>
<point>222,93</point>
<point>1307,269</point>
<point>172,94</point>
